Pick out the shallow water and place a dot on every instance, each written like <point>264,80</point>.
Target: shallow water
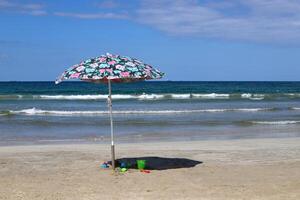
<point>32,111</point>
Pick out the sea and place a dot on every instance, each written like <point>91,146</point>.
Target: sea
<point>43,112</point>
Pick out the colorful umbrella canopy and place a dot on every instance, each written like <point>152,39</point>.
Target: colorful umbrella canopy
<point>111,68</point>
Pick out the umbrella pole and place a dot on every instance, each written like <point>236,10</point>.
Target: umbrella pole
<point>111,126</point>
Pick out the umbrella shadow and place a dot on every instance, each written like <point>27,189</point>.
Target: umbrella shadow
<point>159,163</point>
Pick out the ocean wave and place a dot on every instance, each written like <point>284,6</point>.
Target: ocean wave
<point>149,96</point>
<point>83,97</point>
<point>144,96</point>
<point>246,95</point>
<point>211,96</point>
<point>276,122</point>
<point>35,111</point>
<point>294,108</point>
<point>255,97</point>
<point>293,94</point>
<point>139,97</point>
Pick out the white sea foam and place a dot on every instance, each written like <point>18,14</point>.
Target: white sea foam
<point>293,94</point>
<point>181,96</point>
<point>72,97</point>
<point>34,111</point>
<point>295,108</point>
<point>255,97</point>
<point>253,109</point>
<point>237,110</point>
<point>276,122</point>
<point>150,96</point>
<point>100,96</point>
<point>211,96</point>
<point>121,96</point>
<point>258,95</point>
<point>246,95</point>
<point>145,96</point>
<point>154,96</point>
<point>140,97</point>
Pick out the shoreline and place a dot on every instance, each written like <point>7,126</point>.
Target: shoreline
<point>141,139</point>
<point>126,143</point>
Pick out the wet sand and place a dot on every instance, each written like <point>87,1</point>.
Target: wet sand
<point>230,169</point>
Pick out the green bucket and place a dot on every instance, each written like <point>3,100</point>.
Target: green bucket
<point>141,164</point>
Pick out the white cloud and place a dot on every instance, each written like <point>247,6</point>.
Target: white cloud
<point>275,21</point>
<point>271,21</point>
<point>33,6</point>
<point>251,20</point>
<point>108,4</point>
<point>4,3</point>
<point>93,15</point>
<point>22,8</point>
<point>37,12</point>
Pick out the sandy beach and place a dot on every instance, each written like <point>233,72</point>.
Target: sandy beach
<point>206,94</point>
<point>229,169</point>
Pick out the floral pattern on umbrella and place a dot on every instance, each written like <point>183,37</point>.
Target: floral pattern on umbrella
<point>114,67</point>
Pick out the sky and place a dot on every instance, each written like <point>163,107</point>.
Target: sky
<point>198,40</point>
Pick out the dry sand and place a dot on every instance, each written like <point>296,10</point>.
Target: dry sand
<point>236,169</point>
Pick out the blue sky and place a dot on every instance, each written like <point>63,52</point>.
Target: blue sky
<point>203,40</point>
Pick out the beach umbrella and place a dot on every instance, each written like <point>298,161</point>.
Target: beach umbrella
<point>109,69</point>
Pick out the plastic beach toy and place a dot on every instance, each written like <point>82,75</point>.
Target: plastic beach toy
<point>123,169</point>
<point>104,165</point>
<point>123,165</point>
<point>145,171</point>
<point>141,164</point>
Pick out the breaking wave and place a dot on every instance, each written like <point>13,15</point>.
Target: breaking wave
<point>295,108</point>
<point>144,96</point>
<point>35,111</point>
<point>276,122</point>
<point>139,97</point>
